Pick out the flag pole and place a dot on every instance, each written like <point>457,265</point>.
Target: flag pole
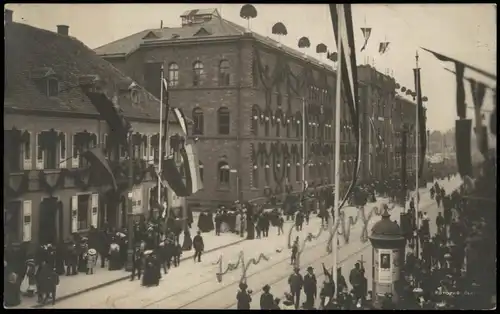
<point>303,145</point>
<point>417,127</point>
<point>337,144</point>
<point>160,151</point>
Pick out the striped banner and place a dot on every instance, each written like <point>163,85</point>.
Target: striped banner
<point>179,116</point>
<point>194,167</point>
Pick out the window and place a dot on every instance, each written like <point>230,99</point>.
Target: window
<point>278,127</point>
<point>298,125</point>
<point>198,73</point>
<point>223,173</point>
<point>288,170</point>
<point>52,87</point>
<point>255,176</point>
<point>198,121</point>
<point>83,211</point>
<point>255,120</point>
<point>173,74</point>
<point>62,150</point>
<point>298,171</point>
<point>267,174</point>
<point>288,126</point>
<point>47,157</point>
<point>12,151</point>
<point>200,166</point>
<point>224,76</point>
<point>224,121</point>
<point>266,125</point>
<point>12,222</point>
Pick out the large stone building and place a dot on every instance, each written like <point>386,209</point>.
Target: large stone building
<point>245,93</point>
<point>50,192</point>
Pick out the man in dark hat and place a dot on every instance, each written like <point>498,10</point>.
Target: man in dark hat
<point>310,287</point>
<point>296,282</point>
<point>218,220</point>
<point>266,299</point>
<point>243,297</point>
<point>198,246</point>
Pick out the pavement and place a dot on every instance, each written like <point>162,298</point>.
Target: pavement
<point>194,285</point>
<point>72,286</point>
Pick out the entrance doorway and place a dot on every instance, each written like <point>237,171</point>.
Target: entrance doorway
<point>50,221</point>
<point>12,225</point>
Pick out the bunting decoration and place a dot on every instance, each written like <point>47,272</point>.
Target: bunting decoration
<point>383,47</point>
<point>367,31</point>
<point>342,13</point>
<point>478,90</point>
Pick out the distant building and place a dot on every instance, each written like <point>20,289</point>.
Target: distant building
<point>49,189</point>
<point>244,93</point>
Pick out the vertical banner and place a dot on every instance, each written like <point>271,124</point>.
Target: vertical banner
<point>385,266</point>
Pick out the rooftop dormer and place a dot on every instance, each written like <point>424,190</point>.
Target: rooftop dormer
<point>91,82</point>
<point>46,80</point>
<point>198,16</point>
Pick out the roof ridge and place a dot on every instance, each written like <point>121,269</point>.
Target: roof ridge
<point>126,37</point>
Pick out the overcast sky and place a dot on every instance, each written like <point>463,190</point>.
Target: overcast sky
<point>464,31</point>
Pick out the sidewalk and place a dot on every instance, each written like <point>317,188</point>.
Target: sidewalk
<point>71,286</point>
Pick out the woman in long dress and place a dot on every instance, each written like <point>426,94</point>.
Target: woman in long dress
<point>29,283</point>
<point>148,276</point>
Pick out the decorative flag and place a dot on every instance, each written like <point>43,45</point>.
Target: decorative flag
<point>194,168</point>
<point>341,14</point>
<point>382,48</point>
<point>459,71</point>
<point>181,119</point>
<point>96,158</point>
<point>478,90</point>
<point>404,144</point>
<point>111,112</point>
<point>421,119</point>
<point>462,144</point>
<point>367,31</point>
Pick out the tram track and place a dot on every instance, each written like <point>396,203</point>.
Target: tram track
<point>226,285</point>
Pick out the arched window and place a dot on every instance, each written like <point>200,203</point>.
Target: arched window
<point>255,120</point>
<point>267,171</point>
<point>200,166</point>
<point>298,170</point>
<point>198,121</point>
<point>173,74</point>
<point>198,73</point>
<point>223,121</point>
<point>288,126</point>
<point>224,173</point>
<point>298,125</point>
<point>224,76</point>
<point>255,176</point>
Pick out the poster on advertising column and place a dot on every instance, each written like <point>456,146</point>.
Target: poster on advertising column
<point>384,266</point>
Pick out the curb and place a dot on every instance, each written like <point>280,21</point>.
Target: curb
<point>108,283</point>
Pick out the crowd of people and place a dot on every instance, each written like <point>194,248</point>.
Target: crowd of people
<point>155,247</point>
<point>444,274</point>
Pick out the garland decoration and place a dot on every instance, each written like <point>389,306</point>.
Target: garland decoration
<point>59,182</point>
<point>233,266</point>
<point>23,186</point>
<point>82,178</point>
<point>346,228</point>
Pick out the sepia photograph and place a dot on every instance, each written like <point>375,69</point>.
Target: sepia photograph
<point>250,156</point>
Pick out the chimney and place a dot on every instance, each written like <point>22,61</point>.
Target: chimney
<point>8,16</point>
<point>63,30</point>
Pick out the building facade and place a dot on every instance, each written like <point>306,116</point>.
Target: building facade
<point>50,190</point>
<point>251,100</point>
